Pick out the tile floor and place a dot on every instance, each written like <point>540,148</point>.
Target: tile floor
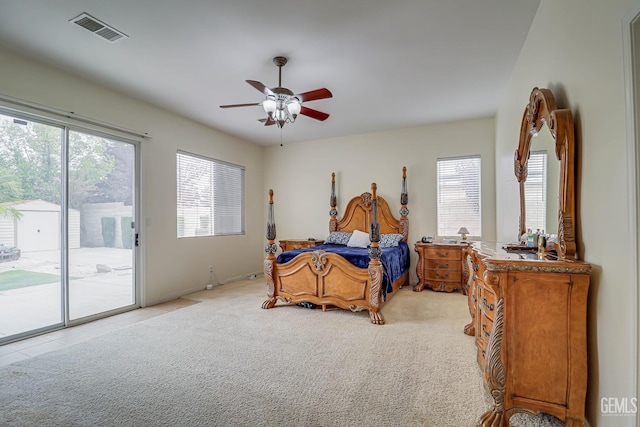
<point>20,350</point>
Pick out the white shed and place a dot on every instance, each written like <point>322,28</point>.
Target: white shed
<point>38,228</point>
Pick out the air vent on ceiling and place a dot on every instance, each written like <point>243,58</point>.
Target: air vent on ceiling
<point>98,27</point>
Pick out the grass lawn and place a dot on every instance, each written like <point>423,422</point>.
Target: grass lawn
<point>16,279</point>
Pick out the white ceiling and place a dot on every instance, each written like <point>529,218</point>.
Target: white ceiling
<point>389,64</point>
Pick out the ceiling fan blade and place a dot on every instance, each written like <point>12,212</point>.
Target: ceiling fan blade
<point>268,121</point>
<point>312,95</point>
<point>262,88</point>
<point>314,114</point>
<point>240,105</point>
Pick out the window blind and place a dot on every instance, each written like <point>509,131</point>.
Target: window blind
<point>458,195</point>
<point>535,191</point>
<point>210,196</point>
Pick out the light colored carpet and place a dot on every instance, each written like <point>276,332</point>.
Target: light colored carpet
<point>226,362</point>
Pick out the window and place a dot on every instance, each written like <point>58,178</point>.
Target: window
<point>535,191</point>
<point>458,192</point>
<point>210,196</point>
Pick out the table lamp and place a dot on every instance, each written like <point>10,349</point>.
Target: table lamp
<point>463,232</point>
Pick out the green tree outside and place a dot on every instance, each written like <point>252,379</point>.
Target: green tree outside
<point>30,166</point>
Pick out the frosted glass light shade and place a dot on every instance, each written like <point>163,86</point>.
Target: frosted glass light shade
<point>269,105</point>
<point>294,108</point>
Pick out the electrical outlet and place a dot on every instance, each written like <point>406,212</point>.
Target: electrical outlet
<point>211,269</point>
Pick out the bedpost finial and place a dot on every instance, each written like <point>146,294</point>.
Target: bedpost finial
<point>404,195</point>
<point>333,199</point>
<point>374,187</point>
<point>270,196</point>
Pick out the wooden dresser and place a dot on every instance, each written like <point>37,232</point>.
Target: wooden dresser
<point>440,266</point>
<point>529,321</point>
<point>287,245</point>
<point>529,310</point>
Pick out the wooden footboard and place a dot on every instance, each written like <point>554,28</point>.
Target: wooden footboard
<point>327,279</point>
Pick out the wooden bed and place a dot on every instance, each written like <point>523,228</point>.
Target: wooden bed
<point>327,279</point>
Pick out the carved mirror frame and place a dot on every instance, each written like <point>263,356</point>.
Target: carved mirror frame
<point>540,111</point>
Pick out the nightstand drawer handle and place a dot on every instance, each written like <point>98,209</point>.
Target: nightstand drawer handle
<point>442,276</point>
<point>445,265</point>
<point>442,254</point>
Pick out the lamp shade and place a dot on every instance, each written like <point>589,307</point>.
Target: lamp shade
<point>463,230</point>
<point>294,108</point>
<point>269,105</point>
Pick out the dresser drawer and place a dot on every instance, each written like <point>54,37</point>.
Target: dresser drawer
<point>486,325</point>
<point>443,253</point>
<point>443,264</point>
<point>444,275</point>
<point>487,301</point>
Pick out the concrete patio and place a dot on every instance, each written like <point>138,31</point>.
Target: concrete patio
<point>90,291</point>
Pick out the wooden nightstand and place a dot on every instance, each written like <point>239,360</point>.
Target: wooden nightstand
<point>287,245</point>
<point>440,266</point>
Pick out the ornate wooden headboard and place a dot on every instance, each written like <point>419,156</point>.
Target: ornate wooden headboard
<point>358,213</point>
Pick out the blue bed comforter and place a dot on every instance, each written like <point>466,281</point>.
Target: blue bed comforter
<point>395,260</point>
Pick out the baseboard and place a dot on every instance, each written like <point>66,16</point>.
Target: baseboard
<point>248,276</point>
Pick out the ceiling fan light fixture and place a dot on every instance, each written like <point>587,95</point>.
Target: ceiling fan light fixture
<point>269,105</point>
<point>283,105</point>
<point>294,107</point>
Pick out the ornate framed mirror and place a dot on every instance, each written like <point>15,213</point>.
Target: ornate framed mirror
<point>543,121</point>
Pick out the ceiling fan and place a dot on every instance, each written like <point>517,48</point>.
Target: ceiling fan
<point>281,104</point>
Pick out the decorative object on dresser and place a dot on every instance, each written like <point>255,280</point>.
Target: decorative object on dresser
<point>463,233</point>
<point>529,310</point>
<point>440,266</point>
<point>288,245</point>
<point>343,272</point>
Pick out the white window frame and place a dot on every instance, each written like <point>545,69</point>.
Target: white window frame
<point>448,186</point>
<point>535,191</point>
<point>204,217</point>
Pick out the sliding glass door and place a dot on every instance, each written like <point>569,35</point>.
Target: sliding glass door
<point>30,226</point>
<point>101,220</point>
<point>67,225</point>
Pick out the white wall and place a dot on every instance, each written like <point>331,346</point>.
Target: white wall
<point>172,267</point>
<point>300,175</point>
<point>575,48</point>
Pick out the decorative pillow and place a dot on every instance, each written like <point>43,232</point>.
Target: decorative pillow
<point>359,239</point>
<point>338,238</point>
<point>390,240</point>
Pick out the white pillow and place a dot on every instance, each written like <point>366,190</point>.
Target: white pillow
<point>359,239</point>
